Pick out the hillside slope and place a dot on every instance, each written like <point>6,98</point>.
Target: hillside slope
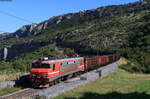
<point>122,29</point>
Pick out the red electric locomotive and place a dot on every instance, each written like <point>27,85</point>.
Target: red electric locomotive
<point>45,72</point>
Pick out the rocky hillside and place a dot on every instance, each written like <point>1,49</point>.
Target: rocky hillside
<point>77,18</point>
<point>111,29</point>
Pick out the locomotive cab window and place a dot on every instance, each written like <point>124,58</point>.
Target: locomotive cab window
<point>45,65</point>
<point>52,66</point>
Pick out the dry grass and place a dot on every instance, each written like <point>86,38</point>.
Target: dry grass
<point>12,76</point>
<point>122,61</point>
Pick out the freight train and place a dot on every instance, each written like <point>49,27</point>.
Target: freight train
<point>46,72</point>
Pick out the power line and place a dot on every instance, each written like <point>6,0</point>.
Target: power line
<point>2,31</point>
<point>19,18</point>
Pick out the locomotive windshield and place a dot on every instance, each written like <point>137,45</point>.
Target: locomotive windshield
<point>43,66</point>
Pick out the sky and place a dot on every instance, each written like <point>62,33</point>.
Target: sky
<point>16,13</point>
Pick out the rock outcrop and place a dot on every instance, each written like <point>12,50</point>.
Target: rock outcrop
<point>12,51</point>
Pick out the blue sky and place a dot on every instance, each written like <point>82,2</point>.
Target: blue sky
<point>39,10</point>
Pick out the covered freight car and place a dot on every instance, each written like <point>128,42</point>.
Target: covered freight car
<point>98,61</point>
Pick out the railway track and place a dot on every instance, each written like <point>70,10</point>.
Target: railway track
<point>29,91</point>
<point>20,94</point>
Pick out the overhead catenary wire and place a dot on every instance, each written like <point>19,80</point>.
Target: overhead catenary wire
<point>1,31</point>
<point>14,16</point>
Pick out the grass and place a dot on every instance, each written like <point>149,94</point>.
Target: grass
<point>118,85</point>
<point>10,76</point>
<point>8,90</point>
<point>7,77</point>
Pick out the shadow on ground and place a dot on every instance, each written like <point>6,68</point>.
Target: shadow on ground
<point>113,95</point>
<point>23,82</point>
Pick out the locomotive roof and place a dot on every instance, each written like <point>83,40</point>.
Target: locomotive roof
<point>57,60</point>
